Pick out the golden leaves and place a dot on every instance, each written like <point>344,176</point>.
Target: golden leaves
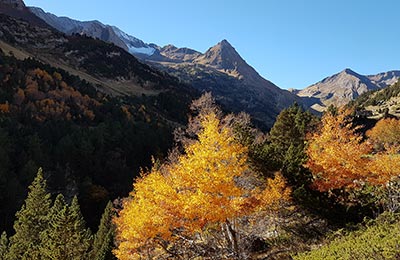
<point>339,157</point>
<point>386,134</point>
<point>199,189</point>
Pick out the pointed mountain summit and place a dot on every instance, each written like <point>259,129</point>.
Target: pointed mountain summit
<point>221,56</point>
<point>225,58</point>
<point>234,83</point>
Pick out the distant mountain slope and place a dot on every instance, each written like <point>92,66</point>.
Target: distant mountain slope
<point>385,79</point>
<point>174,54</point>
<point>345,86</point>
<point>95,29</point>
<point>105,65</point>
<point>380,102</point>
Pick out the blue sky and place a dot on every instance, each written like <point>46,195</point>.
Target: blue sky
<point>293,43</point>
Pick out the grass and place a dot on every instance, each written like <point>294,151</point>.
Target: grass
<point>378,239</point>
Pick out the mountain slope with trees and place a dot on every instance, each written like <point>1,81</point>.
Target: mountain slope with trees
<point>379,103</point>
<point>53,119</point>
<point>96,119</point>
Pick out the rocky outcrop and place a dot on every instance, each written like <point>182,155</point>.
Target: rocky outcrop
<point>17,9</point>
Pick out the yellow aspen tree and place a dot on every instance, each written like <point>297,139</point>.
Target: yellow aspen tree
<point>196,191</point>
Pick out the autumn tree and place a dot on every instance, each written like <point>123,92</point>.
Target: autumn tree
<point>337,154</point>
<point>179,206</point>
<point>385,162</point>
<point>386,135</point>
<point>340,158</point>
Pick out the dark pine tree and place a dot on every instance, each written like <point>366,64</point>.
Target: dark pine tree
<point>287,143</point>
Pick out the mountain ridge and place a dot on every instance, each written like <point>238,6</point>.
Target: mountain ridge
<point>94,29</point>
<point>335,90</point>
<point>345,86</point>
<point>235,84</point>
<point>220,70</point>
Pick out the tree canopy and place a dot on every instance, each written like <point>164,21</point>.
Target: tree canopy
<point>200,189</point>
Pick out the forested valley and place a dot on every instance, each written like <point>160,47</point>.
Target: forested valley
<point>215,187</point>
<point>111,148</point>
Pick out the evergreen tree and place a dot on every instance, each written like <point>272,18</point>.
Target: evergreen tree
<point>31,220</point>
<point>103,240</point>
<point>50,247</point>
<point>66,237</point>
<point>3,245</point>
<point>289,129</point>
<point>287,143</point>
<point>81,237</point>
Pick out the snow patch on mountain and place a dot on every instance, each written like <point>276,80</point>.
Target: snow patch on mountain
<point>134,44</point>
<point>141,50</point>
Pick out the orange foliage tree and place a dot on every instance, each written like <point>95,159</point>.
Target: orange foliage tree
<point>385,163</point>
<point>198,194</point>
<point>340,158</point>
<point>337,154</point>
<point>386,135</point>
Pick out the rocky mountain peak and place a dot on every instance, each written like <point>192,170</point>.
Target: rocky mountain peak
<point>19,4</point>
<point>224,43</point>
<point>343,78</point>
<point>222,56</point>
<point>351,72</point>
<point>169,47</point>
<point>348,71</point>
